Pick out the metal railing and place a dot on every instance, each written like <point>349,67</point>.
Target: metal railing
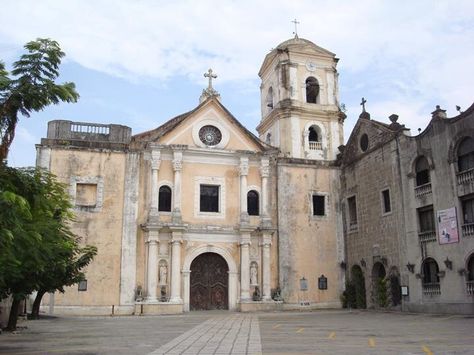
<point>423,190</point>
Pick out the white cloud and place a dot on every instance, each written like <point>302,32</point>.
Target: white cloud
<point>405,55</point>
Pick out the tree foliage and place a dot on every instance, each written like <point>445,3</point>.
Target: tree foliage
<point>32,87</point>
<point>38,249</point>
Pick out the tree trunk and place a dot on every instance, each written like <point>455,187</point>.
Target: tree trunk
<point>13,314</point>
<point>36,304</point>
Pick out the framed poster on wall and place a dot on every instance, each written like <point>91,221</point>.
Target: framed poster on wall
<point>447,226</point>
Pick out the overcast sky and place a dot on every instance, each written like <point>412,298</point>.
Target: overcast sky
<point>139,63</point>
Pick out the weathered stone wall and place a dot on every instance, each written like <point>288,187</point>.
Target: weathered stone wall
<point>308,245</point>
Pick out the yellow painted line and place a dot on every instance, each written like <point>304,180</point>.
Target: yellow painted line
<point>372,342</point>
<point>332,335</point>
<point>427,350</point>
<point>276,326</point>
<point>300,330</point>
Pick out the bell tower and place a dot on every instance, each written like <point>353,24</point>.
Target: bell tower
<point>300,101</point>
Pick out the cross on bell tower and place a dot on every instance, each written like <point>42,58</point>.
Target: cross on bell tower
<point>209,91</point>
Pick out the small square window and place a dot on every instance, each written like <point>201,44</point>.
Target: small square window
<point>209,198</point>
<point>82,286</point>
<point>386,203</point>
<point>86,195</point>
<point>319,205</point>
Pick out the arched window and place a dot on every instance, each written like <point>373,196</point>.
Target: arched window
<point>430,272</point>
<point>270,98</point>
<point>466,154</point>
<point>312,90</point>
<point>313,135</point>
<point>470,271</point>
<point>253,203</point>
<point>422,170</point>
<point>164,200</point>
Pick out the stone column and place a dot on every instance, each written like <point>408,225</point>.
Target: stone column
<point>152,266</point>
<point>266,260</point>
<point>155,166</point>
<point>244,171</point>
<point>245,266</point>
<point>177,167</point>
<point>265,173</point>
<point>175,267</point>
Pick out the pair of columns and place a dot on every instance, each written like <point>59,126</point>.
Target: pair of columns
<point>177,167</point>
<point>245,266</point>
<point>152,267</point>
<point>264,174</point>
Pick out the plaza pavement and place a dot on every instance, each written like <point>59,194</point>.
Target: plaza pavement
<point>321,332</point>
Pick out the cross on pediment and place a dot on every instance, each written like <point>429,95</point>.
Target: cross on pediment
<point>363,104</point>
<point>211,76</point>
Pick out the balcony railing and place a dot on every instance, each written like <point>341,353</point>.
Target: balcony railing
<point>427,236</point>
<point>315,146</point>
<point>91,128</point>
<point>423,190</point>
<point>468,230</point>
<point>431,289</point>
<point>465,177</point>
<point>470,287</point>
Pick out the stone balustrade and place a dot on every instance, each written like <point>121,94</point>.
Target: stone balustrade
<point>468,230</point>
<point>427,236</point>
<point>423,190</point>
<point>465,177</point>
<point>315,146</point>
<point>470,287</point>
<point>431,289</point>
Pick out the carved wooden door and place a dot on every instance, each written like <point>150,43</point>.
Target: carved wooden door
<point>209,282</point>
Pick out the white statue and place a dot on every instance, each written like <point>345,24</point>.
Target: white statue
<point>163,274</point>
<point>253,274</point>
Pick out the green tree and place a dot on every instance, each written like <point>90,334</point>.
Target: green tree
<point>64,270</point>
<point>35,215</point>
<point>32,87</point>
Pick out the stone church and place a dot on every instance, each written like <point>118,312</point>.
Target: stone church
<point>200,214</point>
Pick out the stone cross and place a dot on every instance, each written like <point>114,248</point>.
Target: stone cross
<point>363,104</point>
<point>296,27</point>
<point>211,76</point>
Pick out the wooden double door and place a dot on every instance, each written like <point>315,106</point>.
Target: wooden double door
<point>209,282</point>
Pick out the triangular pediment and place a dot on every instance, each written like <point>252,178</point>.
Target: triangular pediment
<point>224,131</point>
<point>376,134</point>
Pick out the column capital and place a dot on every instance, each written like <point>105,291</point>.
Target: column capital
<point>245,239</point>
<point>152,237</point>
<point>155,159</point>
<point>177,160</point>
<point>265,168</point>
<point>244,166</point>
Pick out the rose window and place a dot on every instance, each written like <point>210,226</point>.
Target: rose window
<point>210,135</point>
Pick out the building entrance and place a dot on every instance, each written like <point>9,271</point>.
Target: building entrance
<point>209,282</point>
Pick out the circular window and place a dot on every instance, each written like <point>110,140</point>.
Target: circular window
<point>364,142</point>
<point>210,135</point>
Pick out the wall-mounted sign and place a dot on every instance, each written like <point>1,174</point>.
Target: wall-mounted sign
<point>447,226</point>
<point>404,290</point>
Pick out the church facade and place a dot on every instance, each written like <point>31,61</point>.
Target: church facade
<point>201,214</point>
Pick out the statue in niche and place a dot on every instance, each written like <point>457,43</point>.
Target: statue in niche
<point>253,274</point>
<point>163,274</point>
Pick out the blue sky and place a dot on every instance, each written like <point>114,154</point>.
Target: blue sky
<point>139,63</point>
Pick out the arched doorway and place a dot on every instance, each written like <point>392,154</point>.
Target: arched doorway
<point>395,291</point>
<point>209,282</point>
<point>379,285</point>
<point>358,279</point>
